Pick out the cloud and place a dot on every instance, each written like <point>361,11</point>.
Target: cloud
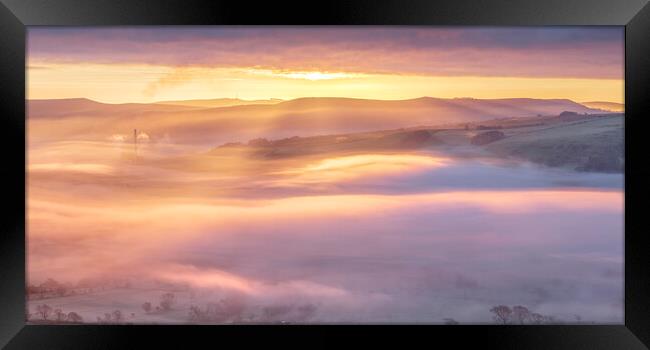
<point>143,137</point>
<point>595,52</point>
<point>177,76</point>
<point>117,138</point>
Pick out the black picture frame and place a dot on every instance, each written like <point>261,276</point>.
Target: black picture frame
<point>15,15</point>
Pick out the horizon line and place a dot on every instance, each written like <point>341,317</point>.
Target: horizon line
<point>315,97</point>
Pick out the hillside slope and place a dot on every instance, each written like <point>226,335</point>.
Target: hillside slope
<point>88,120</point>
<point>592,145</point>
<point>218,102</point>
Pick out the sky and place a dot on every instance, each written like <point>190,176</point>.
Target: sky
<point>147,64</point>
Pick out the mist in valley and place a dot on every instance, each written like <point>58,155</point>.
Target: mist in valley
<point>257,233</point>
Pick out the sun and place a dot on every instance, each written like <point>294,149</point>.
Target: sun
<point>305,75</point>
<point>317,75</point>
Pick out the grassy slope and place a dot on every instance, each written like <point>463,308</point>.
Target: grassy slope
<point>587,144</point>
<point>595,144</point>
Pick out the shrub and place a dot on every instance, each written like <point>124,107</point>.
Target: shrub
<point>167,301</point>
<point>450,321</point>
<point>147,307</point>
<point>74,317</point>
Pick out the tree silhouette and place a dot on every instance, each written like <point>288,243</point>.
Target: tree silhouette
<point>501,313</point>
<point>536,318</point>
<point>147,307</point>
<point>113,317</point>
<point>520,314</point>
<point>74,317</point>
<point>450,321</point>
<point>167,301</point>
<point>117,316</point>
<point>230,309</point>
<point>59,315</point>
<point>44,310</point>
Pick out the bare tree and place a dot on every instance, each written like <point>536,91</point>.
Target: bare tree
<point>74,317</point>
<point>147,307</point>
<point>228,309</point>
<point>196,314</point>
<point>536,318</point>
<point>520,314</point>
<point>501,313</point>
<point>59,315</point>
<point>50,285</point>
<point>213,312</point>
<point>167,301</point>
<point>44,310</point>
<point>550,319</point>
<point>117,316</point>
<point>113,317</point>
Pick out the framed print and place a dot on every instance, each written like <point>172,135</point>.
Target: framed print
<point>461,171</point>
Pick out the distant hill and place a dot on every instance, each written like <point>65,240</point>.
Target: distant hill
<point>299,117</point>
<point>606,106</point>
<point>219,102</point>
<point>75,107</point>
<point>592,143</point>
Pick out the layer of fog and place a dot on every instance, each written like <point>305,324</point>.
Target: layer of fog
<point>376,238</point>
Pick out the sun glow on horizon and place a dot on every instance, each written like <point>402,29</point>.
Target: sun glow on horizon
<point>307,75</point>
<point>150,83</point>
<point>122,65</point>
